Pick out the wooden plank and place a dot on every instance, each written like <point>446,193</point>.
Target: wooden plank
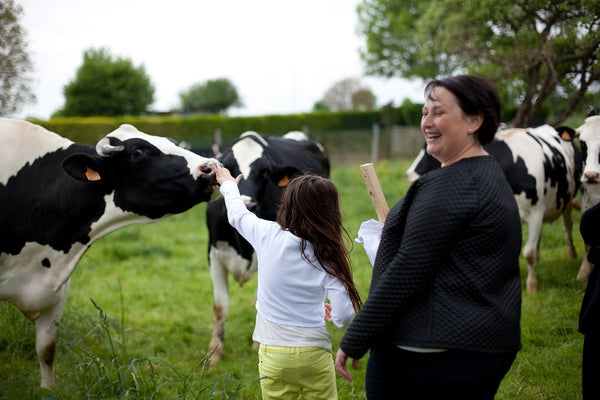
<point>377,196</point>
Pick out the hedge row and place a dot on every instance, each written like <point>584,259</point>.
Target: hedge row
<point>200,129</point>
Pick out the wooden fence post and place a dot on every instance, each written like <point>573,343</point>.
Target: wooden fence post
<point>375,143</point>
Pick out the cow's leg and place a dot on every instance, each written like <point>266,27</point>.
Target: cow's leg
<point>530,251</point>
<point>585,269</point>
<point>218,274</point>
<point>46,329</point>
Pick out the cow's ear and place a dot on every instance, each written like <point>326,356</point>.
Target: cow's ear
<point>82,167</point>
<point>566,133</point>
<point>281,175</point>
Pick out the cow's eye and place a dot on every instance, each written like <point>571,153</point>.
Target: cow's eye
<point>136,153</point>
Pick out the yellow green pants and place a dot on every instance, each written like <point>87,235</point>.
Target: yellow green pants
<point>287,372</point>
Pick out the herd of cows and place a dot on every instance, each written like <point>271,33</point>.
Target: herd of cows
<point>57,197</point>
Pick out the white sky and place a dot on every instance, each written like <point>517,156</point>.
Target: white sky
<point>281,55</point>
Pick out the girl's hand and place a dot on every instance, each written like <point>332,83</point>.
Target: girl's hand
<point>222,174</point>
<point>328,312</point>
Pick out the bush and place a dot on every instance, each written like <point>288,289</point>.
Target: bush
<point>200,129</point>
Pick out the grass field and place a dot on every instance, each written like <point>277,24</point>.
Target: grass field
<point>139,316</point>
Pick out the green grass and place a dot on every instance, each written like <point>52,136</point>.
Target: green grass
<point>146,333</point>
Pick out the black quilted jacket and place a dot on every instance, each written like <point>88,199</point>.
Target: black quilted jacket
<point>446,273</point>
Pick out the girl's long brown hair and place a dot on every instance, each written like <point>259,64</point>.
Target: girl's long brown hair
<point>310,209</point>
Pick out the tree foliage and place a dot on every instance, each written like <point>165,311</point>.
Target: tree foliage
<point>213,96</point>
<point>107,86</point>
<point>537,51</point>
<point>15,64</point>
<point>347,94</point>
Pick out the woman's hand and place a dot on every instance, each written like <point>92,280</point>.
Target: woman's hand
<point>340,365</point>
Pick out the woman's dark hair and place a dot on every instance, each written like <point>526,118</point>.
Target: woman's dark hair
<point>476,96</point>
<point>310,209</point>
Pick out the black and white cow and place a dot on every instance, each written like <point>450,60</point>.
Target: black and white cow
<point>542,169</point>
<point>57,197</point>
<point>589,138</point>
<point>267,163</point>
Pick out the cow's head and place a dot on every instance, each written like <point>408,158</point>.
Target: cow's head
<point>589,138</point>
<point>149,175</point>
<point>265,175</point>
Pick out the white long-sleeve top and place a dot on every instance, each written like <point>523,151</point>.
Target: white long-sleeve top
<point>291,292</point>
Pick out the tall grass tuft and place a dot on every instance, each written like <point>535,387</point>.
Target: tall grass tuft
<point>118,375</point>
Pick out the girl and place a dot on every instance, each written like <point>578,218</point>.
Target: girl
<point>302,261</point>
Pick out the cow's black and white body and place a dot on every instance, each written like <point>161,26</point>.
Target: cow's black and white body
<point>266,164</point>
<point>589,138</point>
<point>540,166</point>
<point>57,197</point>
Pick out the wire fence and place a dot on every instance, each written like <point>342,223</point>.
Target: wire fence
<point>356,145</point>
<point>370,145</point>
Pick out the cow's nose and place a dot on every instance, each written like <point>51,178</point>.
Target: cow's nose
<point>251,205</point>
<point>591,177</point>
<point>207,168</point>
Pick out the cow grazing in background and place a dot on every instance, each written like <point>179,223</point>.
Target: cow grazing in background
<point>541,166</point>
<point>57,197</point>
<point>267,163</point>
<point>589,138</point>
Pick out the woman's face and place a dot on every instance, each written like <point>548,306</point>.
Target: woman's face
<point>449,133</point>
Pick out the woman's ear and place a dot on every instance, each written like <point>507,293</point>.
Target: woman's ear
<point>475,122</point>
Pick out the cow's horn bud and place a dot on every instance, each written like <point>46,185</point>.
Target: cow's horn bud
<point>105,149</point>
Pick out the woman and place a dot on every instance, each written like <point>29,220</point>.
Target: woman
<point>302,260</point>
<point>442,319</point>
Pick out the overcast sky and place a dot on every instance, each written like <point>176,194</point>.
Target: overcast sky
<point>281,55</point>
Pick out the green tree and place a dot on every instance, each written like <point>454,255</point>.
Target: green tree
<point>15,64</point>
<point>213,96</point>
<point>108,86</point>
<point>535,50</point>
<point>320,106</point>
